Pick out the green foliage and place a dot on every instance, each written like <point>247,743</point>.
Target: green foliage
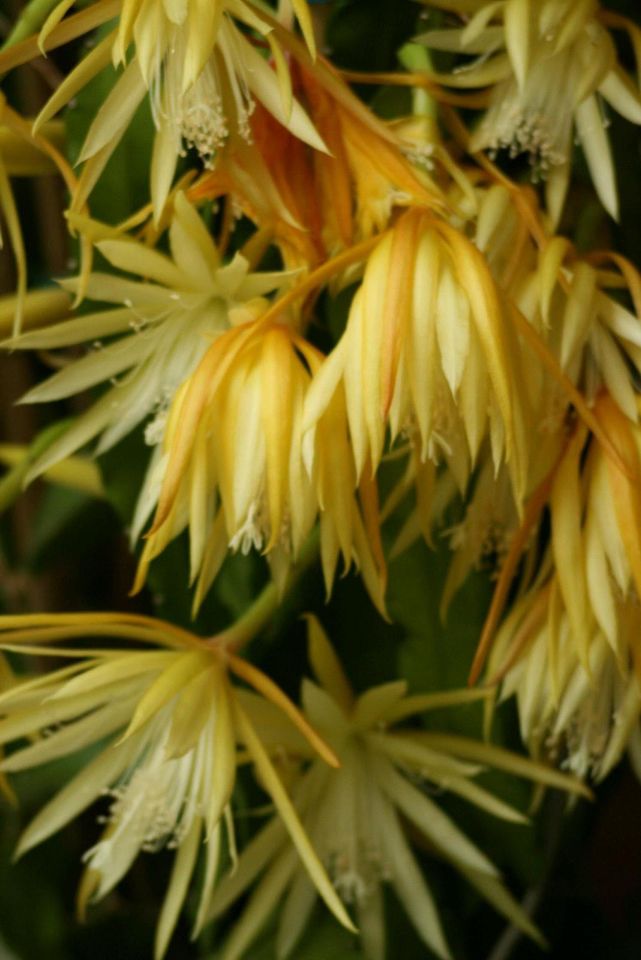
<point>84,544</point>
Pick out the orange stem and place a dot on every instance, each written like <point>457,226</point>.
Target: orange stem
<point>473,100</point>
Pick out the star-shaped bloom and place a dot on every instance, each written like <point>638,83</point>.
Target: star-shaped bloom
<point>168,721</point>
<point>356,816</point>
<point>233,468</point>
<point>160,326</point>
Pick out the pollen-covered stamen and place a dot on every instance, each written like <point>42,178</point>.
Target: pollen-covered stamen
<point>153,807</point>
<point>357,869</point>
<point>255,531</point>
<point>196,115</point>
<point>148,807</point>
<point>420,155</point>
<point>536,119</point>
<point>589,731</point>
<point>200,116</point>
<point>203,125</point>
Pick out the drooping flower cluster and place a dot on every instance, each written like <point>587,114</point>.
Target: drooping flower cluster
<point>334,334</point>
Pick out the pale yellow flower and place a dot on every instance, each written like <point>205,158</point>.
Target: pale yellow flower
<point>428,352</point>
<point>548,66</point>
<point>596,339</point>
<point>172,721</point>
<point>569,648</point>
<point>163,322</point>
<point>595,514</point>
<point>582,711</point>
<point>202,73</point>
<point>232,466</point>
<point>356,815</point>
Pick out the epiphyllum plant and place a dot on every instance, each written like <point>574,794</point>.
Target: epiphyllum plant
<point>356,816</point>
<point>158,328</point>
<point>337,332</point>
<point>174,721</point>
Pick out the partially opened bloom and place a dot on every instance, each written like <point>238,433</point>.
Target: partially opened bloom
<point>580,710</point>
<point>356,816</point>
<point>595,517</point>
<point>202,73</point>
<point>163,322</point>
<point>172,721</point>
<point>428,352</point>
<point>548,64</point>
<point>232,467</point>
<point>569,648</point>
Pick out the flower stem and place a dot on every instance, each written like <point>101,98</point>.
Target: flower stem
<point>31,19</point>
<point>260,612</point>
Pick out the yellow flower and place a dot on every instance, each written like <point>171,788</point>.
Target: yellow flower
<point>356,815</point>
<point>548,65</point>
<point>163,323</point>
<point>595,517</point>
<point>202,74</point>
<point>569,649</point>
<point>583,715</point>
<point>232,466</point>
<point>596,339</point>
<point>428,352</point>
<point>173,721</point>
<point>368,174</point>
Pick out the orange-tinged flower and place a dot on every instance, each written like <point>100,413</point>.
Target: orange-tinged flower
<point>427,351</point>
<point>232,466</point>
<point>317,203</point>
